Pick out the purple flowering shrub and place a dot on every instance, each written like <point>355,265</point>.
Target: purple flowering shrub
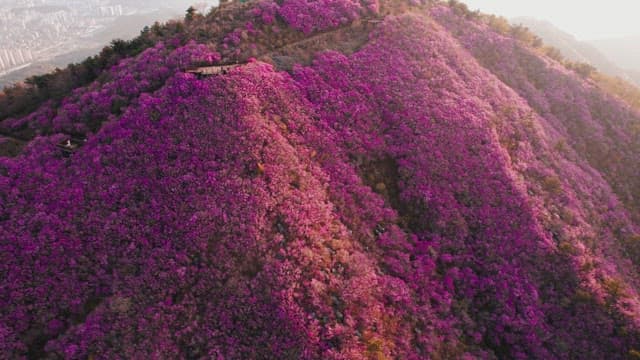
<point>311,16</point>
<point>222,225</point>
<point>596,125</point>
<point>88,107</point>
<point>596,146</point>
<point>440,136</point>
<point>410,200</point>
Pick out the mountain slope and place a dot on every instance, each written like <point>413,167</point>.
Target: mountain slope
<point>575,50</point>
<point>381,180</point>
<point>625,55</point>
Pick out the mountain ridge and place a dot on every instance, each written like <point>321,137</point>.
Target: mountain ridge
<point>430,187</point>
<point>625,56</point>
<point>578,51</point>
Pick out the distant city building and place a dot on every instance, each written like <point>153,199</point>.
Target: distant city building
<point>48,32</point>
<point>10,58</point>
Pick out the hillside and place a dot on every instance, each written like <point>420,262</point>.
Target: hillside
<point>378,179</point>
<point>576,50</point>
<point>40,36</point>
<point>625,55</point>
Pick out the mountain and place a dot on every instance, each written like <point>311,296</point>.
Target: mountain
<point>38,36</point>
<point>343,180</point>
<point>580,51</point>
<point>635,75</point>
<point>624,51</point>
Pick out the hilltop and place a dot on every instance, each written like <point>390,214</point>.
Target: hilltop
<point>376,179</point>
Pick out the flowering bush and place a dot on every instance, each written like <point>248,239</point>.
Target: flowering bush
<point>88,107</point>
<point>410,200</point>
<point>311,16</point>
<point>427,111</point>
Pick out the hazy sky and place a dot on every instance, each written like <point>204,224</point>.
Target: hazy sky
<point>585,19</point>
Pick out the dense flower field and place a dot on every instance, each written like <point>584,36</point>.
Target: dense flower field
<point>87,108</point>
<point>441,192</point>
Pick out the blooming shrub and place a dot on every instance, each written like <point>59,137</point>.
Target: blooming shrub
<point>312,16</point>
<point>409,200</point>
<point>589,118</point>
<point>88,107</point>
<point>427,109</point>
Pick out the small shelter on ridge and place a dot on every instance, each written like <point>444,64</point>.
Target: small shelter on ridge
<point>212,70</point>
